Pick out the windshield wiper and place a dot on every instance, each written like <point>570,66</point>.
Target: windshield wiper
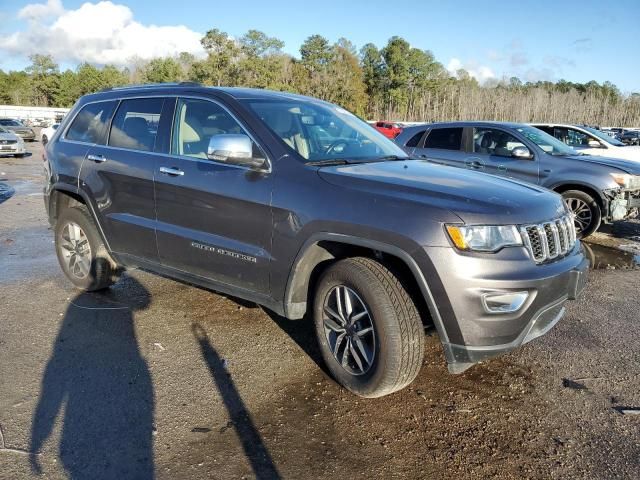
<point>392,157</point>
<point>328,162</point>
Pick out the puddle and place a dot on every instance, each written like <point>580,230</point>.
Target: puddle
<point>602,257</point>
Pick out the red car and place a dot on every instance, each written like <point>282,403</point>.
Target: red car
<point>389,129</point>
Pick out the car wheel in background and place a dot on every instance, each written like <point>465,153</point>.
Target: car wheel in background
<point>586,211</point>
<point>44,139</point>
<point>369,330</point>
<point>81,251</point>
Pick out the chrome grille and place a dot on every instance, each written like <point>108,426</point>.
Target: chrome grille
<point>549,240</point>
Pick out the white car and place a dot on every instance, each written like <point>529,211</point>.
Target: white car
<point>11,144</point>
<point>591,141</point>
<point>47,133</point>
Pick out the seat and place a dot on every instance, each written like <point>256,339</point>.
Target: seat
<point>136,129</point>
<point>281,122</point>
<point>486,143</point>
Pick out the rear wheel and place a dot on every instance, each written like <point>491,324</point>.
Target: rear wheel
<point>81,252</point>
<point>368,328</point>
<point>586,212</point>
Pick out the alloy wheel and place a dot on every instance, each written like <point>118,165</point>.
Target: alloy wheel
<point>348,327</point>
<point>582,214</point>
<point>76,250</point>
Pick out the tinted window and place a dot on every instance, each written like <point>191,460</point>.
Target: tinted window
<point>10,123</point>
<point>136,124</point>
<point>492,141</point>
<point>196,121</point>
<point>445,138</point>
<point>572,137</point>
<point>91,123</point>
<point>415,139</point>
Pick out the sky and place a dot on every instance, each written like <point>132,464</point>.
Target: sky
<point>575,40</point>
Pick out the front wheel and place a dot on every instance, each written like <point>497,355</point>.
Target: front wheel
<point>586,212</point>
<point>81,252</point>
<point>368,328</point>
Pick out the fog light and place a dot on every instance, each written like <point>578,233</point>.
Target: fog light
<point>504,302</point>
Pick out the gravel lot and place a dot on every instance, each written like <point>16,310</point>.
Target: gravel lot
<point>157,379</point>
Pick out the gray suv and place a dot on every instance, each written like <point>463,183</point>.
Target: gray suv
<point>596,189</point>
<point>299,206</point>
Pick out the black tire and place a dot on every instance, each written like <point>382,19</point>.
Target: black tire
<point>398,342</point>
<point>100,271</point>
<point>44,139</point>
<point>584,226</point>
<point>19,155</point>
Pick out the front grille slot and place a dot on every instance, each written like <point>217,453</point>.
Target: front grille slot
<point>8,142</point>
<point>549,240</point>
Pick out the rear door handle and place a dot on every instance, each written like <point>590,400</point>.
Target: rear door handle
<point>174,172</point>
<point>96,158</point>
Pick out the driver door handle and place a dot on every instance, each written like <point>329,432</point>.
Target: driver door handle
<point>96,158</point>
<point>172,171</point>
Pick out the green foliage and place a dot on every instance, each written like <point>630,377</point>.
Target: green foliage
<point>394,82</point>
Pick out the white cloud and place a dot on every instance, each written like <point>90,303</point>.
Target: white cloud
<point>100,33</point>
<point>482,73</point>
<point>37,11</point>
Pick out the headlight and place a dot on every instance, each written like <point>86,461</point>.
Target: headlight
<point>625,180</point>
<point>484,238</point>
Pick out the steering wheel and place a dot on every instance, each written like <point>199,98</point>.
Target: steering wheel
<point>339,145</point>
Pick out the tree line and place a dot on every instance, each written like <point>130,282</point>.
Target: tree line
<point>395,82</point>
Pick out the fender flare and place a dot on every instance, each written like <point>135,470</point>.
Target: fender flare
<point>65,187</point>
<point>309,257</point>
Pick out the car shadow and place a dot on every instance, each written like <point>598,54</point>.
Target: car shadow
<point>98,381</point>
<point>254,448</point>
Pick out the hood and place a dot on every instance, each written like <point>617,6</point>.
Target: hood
<point>8,136</point>
<point>477,198</point>
<point>629,166</point>
<point>629,152</point>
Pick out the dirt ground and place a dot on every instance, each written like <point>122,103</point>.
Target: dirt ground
<point>157,379</point>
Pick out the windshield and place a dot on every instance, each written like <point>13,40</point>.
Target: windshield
<point>11,123</point>
<point>546,142</point>
<point>604,136</point>
<point>3,130</point>
<point>319,131</point>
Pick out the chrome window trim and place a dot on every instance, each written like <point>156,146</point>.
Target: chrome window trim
<point>169,155</point>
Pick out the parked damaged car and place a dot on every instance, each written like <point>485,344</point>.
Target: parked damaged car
<point>596,189</point>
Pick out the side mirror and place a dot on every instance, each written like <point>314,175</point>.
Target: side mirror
<point>234,149</point>
<point>521,153</point>
<point>594,144</point>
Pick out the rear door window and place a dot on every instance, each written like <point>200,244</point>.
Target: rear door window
<point>90,125</point>
<point>444,138</point>
<point>135,124</point>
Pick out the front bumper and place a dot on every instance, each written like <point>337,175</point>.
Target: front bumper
<point>13,149</point>
<point>471,334</point>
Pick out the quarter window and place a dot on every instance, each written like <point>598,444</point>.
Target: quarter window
<point>196,121</point>
<point>444,138</point>
<point>90,124</point>
<point>135,125</point>
<point>491,141</point>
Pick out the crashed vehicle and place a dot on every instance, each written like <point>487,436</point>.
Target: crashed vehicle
<point>596,189</point>
<point>238,190</point>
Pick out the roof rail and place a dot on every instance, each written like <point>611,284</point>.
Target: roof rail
<point>153,85</point>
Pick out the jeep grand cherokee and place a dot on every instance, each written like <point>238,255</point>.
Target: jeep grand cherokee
<point>297,205</point>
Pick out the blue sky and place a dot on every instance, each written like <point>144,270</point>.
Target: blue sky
<point>535,40</point>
